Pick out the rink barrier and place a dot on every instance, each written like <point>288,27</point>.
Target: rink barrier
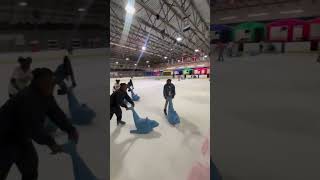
<point>50,55</point>
<point>127,79</point>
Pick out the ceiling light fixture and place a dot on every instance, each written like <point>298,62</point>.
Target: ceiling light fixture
<point>292,11</point>
<point>229,18</point>
<point>81,9</point>
<point>257,15</point>
<point>130,9</point>
<point>23,3</point>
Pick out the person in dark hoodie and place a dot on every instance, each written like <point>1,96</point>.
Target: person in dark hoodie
<point>64,71</point>
<point>130,85</point>
<point>168,92</point>
<point>22,120</point>
<point>117,101</point>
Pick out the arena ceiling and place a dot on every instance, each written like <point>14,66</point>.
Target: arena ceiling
<point>53,11</point>
<point>235,11</point>
<point>156,24</point>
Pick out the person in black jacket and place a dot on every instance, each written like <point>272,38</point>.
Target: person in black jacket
<point>130,85</point>
<point>64,71</point>
<point>21,121</point>
<point>117,100</point>
<point>168,92</point>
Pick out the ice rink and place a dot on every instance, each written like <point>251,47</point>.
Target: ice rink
<point>267,121</point>
<point>89,73</point>
<point>168,153</point>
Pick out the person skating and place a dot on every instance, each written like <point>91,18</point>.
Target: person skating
<point>117,101</point>
<point>64,71</point>
<point>116,85</point>
<point>21,76</point>
<point>220,51</point>
<point>22,118</point>
<point>130,85</point>
<point>168,92</point>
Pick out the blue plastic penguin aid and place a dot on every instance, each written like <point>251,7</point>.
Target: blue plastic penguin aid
<point>173,117</point>
<point>143,126</point>
<point>81,114</point>
<point>134,96</point>
<point>80,170</point>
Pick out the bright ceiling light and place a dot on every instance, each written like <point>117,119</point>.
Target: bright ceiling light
<point>179,39</point>
<point>205,56</point>
<point>135,64</point>
<point>147,61</point>
<point>144,48</point>
<point>130,9</point>
<point>197,50</point>
<point>81,9</point>
<point>148,65</point>
<point>23,3</point>
<point>171,49</point>
<point>127,59</point>
<point>165,57</point>
<point>117,62</point>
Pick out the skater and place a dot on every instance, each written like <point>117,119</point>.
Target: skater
<point>261,47</point>
<point>21,76</point>
<point>230,48</point>
<point>221,51</point>
<point>64,71</point>
<point>22,118</point>
<point>168,92</point>
<point>117,100</point>
<point>130,85</point>
<point>116,86</point>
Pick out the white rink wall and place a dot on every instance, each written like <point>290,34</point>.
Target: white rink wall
<point>52,54</point>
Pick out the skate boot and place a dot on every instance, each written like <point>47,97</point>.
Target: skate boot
<point>121,123</point>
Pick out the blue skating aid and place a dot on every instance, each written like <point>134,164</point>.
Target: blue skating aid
<point>173,117</point>
<point>80,170</point>
<point>143,126</point>
<point>81,114</point>
<point>134,96</point>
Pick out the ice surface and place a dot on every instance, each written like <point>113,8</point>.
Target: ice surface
<point>167,153</point>
<point>266,117</point>
<point>89,73</point>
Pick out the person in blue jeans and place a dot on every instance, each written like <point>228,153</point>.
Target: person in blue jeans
<point>64,71</point>
<point>168,92</point>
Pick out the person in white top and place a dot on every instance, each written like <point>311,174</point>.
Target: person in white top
<point>116,86</point>
<point>21,76</point>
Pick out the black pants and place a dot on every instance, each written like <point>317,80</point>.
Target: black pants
<point>24,156</point>
<point>220,58</point>
<point>117,111</point>
<point>63,86</point>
